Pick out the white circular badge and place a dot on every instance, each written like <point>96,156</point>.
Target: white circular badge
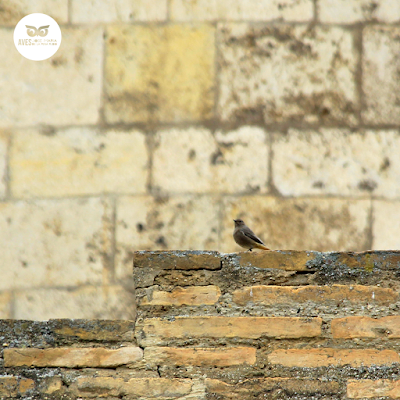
<point>37,37</point>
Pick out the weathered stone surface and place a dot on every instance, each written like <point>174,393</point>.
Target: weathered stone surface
<point>369,388</point>
<point>51,385</point>
<point>55,242</point>
<point>63,90</point>
<point>265,10</point>
<point>338,162</point>
<point>154,330</point>
<point>289,385</point>
<point>12,11</point>
<point>366,327</point>
<point>5,305</point>
<point>352,11</point>
<point>146,81</point>
<point>313,72</point>
<point>72,357</point>
<point>194,296</point>
<point>179,222</point>
<point>4,139</point>
<point>269,295</point>
<point>312,358</point>
<point>143,387</point>
<point>289,260</point>
<point>13,386</point>
<point>104,302</point>
<point>97,330</point>
<point>386,224</point>
<point>78,161</point>
<point>118,11</point>
<point>313,223</point>
<point>214,357</point>
<point>203,162</point>
<point>381,85</point>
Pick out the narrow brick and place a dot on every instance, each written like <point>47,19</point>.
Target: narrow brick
<point>72,357</point>
<point>153,331</point>
<point>146,387</point>
<point>269,295</point>
<point>185,260</point>
<point>94,329</point>
<point>217,357</point>
<point>368,388</point>
<point>313,358</point>
<point>12,386</point>
<point>194,296</point>
<point>366,327</point>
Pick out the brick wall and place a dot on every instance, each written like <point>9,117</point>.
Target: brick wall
<point>272,325</point>
<point>158,122</point>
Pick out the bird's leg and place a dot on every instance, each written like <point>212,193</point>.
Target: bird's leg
<point>250,248</point>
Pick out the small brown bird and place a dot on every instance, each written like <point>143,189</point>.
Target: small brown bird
<point>245,237</point>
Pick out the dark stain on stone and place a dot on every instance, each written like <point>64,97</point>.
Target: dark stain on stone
<point>47,130</point>
<point>368,185</point>
<point>385,164</point>
<point>140,227</point>
<point>192,155</point>
<point>318,184</point>
<point>161,242</point>
<point>217,157</point>
<point>58,61</point>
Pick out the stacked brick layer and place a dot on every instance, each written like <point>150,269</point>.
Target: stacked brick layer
<point>276,325</point>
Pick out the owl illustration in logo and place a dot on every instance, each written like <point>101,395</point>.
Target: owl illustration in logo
<point>41,31</point>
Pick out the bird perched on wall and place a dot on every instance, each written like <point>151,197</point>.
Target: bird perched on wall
<point>245,237</point>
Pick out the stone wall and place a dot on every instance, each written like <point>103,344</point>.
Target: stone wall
<point>273,325</point>
<point>158,122</point>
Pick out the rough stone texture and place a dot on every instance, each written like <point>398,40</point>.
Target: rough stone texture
<point>104,302</point>
<point>78,161</point>
<point>365,327</point>
<point>5,305</point>
<point>65,89</point>
<point>11,386</point>
<point>312,69</point>
<point>312,358</point>
<point>200,356</point>
<point>146,222</point>
<point>202,162</point>
<point>118,11</point>
<point>72,358</point>
<point>4,139</point>
<point>353,11</point>
<point>314,223</point>
<point>386,228</point>
<point>381,63</point>
<point>14,10</point>
<point>291,294</point>
<point>265,10</point>
<point>194,296</point>
<point>369,388</point>
<point>337,162</point>
<point>159,73</point>
<point>55,242</point>
<point>155,331</point>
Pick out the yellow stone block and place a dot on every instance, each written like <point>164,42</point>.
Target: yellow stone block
<point>159,73</point>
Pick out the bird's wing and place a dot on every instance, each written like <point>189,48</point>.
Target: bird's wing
<point>250,234</point>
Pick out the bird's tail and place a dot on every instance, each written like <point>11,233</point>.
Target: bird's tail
<point>262,247</point>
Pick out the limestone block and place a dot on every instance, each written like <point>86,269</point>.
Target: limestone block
<point>14,386</point>
<point>159,73</point>
<point>63,90</point>
<point>5,305</point>
<point>77,161</point>
<point>381,85</point>
<point>3,164</point>
<point>118,11</point>
<point>263,10</point>
<point>14,10</point>
<point>149,223</point>
<point>353,11</point>
<point>373,388</point>
<point>386,225</point>
<point>276,73</point>
<point>299,224</point>
<point>107,302</point>
<point>337,161</point>
<point>231,162</point>
<point>55,242</point>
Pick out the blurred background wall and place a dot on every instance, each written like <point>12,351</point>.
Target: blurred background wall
<point>159,121</point>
